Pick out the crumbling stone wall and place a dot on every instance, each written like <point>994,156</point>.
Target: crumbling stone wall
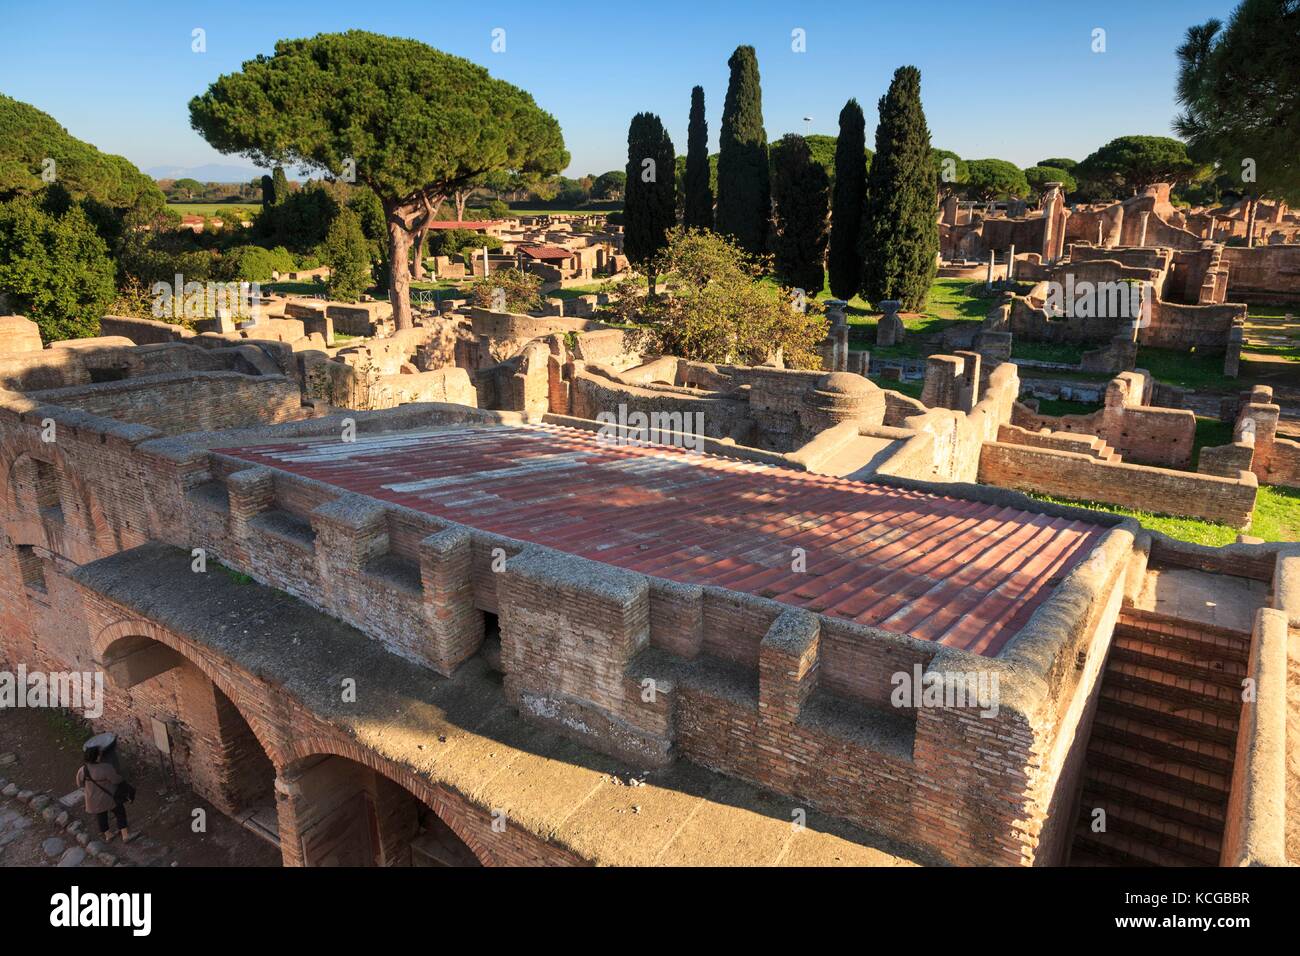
<point>186,401</point>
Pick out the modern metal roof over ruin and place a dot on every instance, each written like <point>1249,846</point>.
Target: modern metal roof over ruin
<point>963,573</point>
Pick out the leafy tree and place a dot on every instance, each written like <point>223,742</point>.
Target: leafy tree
<point>257,263</point>
<point>189,188</point>
<point>952,170</point>
<point>649,210</point>
<point>1039,176</point>
<point>54,266</point>
<point>900,229</point>
<point>610,185</point>
<point>1239,87</point>
<point>699,174</point>
<point>720,309</point>
<point>280,184</point>
<point>1058,163</point>
<point>408,121</point>
<point>744,206</point>
<point>996,179</point>
<point>844,261</point>
<point>347,253</point>
<point>29,137</point>
<point>801,193</point>
<point>1126,165</point>
<point>521,291</point>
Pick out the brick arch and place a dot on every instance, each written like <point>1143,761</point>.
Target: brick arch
<point>136,627</point>
<point>432,796</point>
<point>17,444</point>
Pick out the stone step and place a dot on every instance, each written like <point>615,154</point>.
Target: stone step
<point>1177,661</point>
<point>1141,826</point>
<point>1160,712</point>
<point>1209,638</point>
<point>1165,742</point>
<point>1204,645</point>
<point>1101,785</point>
<point>1118,849</point>
<point>1187,691</point>
<point>1173,775</point>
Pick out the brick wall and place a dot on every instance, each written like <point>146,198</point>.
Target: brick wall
<point>1083,478</point>
<point>186,401</point>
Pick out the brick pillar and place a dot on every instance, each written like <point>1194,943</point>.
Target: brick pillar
<point>788,665</point>
<point>569,629</point>
<point>251,492</point>
<point>350,531</point>
<point>291,810</point>
<point>455,624</point>
<point>942,374</point>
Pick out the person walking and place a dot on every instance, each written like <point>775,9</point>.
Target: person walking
<point>105,790</point>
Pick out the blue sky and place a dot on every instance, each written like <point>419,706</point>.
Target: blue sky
<point>1016,80</point>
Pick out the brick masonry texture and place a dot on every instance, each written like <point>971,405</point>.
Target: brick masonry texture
<point>654,672</point>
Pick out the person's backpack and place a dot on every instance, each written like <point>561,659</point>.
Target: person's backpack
<point>124,792</point>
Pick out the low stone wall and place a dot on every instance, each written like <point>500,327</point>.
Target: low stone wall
<point>186,401</point>
<point>1064,474</point>
<point>1255,820</point>
<point>1263,273</point>
<point>142,331</point>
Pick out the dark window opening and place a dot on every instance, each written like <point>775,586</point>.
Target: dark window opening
<point>98,375</point>
<point>48,499</point>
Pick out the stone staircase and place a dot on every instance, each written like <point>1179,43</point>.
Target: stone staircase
<point>1160,758</point>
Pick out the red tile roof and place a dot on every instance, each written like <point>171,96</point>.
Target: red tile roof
<point>936,567</point>
<point>547,252</point>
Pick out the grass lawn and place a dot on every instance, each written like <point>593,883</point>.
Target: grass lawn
<point>1277,518</point>
<point>1210,432</point>
<point>951,301</point>
<point>246,209</point>
<point>1062,353</point>
<point>1056,407</point>
<point>910,389</point>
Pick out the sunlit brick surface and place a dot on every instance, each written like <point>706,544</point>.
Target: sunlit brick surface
<point>938,568</point>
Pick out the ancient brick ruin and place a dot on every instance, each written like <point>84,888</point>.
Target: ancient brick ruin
<point>449,622</point>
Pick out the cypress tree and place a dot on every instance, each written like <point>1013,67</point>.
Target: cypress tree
<point>268,191</point>
<point>650,202</point>
<point>281,183</point>
<point>698,210</point>
<point>744,190</point>
<point>900,230</point>
<point>844,261</point>
<point>801,193</point>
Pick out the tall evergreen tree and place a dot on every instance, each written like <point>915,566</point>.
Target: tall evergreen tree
<point>744,189</point>
<point>268,191</point>
<point>801,194</point>
<point>698,210</point>
<point>280,186</point>
<point>845,260</point>
<point>900,228</point>
<point>650,203</point>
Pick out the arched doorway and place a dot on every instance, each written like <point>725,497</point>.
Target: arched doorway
<point>175,710</point>
<point>335,811</point>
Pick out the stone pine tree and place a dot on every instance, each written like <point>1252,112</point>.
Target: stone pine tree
<point>801,196</point>
<point>744,190</point>
<point>408,121</point>
<point>900,228</point>
<point>698,208</point>
<point>844,261</point>
<point>650,200</point>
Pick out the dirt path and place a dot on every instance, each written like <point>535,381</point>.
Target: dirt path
<point>40,751</point>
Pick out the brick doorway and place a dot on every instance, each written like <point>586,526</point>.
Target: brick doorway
<point>337,812</point>
<point>163,702</point>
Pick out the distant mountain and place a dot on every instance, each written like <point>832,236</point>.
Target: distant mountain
<point>208,173</point>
